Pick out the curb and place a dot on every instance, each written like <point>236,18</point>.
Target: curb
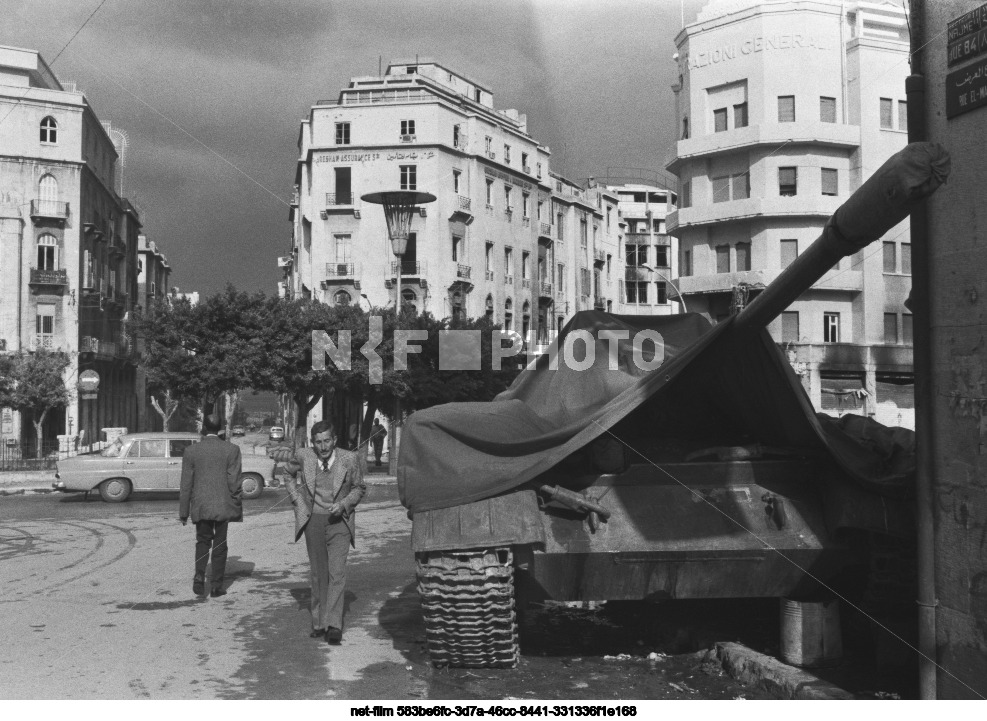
<point>774,676</point>
<point>14,489</point>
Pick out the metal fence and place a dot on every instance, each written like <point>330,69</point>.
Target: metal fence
<point>23,457</point>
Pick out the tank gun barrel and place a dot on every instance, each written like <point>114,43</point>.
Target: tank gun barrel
<point>906,179</point>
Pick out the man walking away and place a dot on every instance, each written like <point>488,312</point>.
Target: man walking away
<point>325,499</point>
<point>211,490</point>
<point>377,435</point>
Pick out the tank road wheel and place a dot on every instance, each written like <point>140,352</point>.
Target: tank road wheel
<point>468,604</point>
<point>115,490</point>
<point>252,485</point>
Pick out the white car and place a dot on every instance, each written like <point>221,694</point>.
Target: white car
<point>146,462</point>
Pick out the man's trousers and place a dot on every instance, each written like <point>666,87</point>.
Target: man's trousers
<point>211,535</point>
<point>328,543</point>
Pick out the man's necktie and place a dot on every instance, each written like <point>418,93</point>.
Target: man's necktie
<point>325,465</point>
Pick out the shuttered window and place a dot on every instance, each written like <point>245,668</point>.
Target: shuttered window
<point>827,110</point>
<point>740,115</point>
<point>887,121</point>
<point>902,115</point>
<point>891,328</point>
<point>787,181</point>
<point>789,251</point>
<point>890,258</point>
<point>786,108</point>
<point>720,120</point>
<point>741,186</point>
<point>790,326</point>
<point>829,181</point>
<point>906,258</point>
<point>723,259</point>
<point>721,189</point>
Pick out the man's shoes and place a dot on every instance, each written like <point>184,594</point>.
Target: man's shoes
<point>218,591</point>
<point>199,587</point>
<point>318,633</point>
<point>334,636</point>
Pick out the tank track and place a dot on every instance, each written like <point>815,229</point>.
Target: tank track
<point>468,603</point>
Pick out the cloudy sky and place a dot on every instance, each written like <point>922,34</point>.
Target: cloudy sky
<point>211,92</point>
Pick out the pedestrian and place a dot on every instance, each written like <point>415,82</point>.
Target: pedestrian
<point>325,485</point>
<point>211,495</point>
<point>377,435</point>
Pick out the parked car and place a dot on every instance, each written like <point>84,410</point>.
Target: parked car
<point>238,431</point>
<point>276,433</point>
<point>146,462</point>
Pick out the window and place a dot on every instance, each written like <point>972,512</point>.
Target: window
<point>489,193</point>
<point>829,181</point>
<point>662,292</point>
<point>409,177</point>
<point>408,297</point>
<point>457,248</point>
<point>720,120</point>
<point>787,181</point>
<point>887,108</point>
<point>831,327</point>
<point>731,187</point>
<point>407,128</point>
<point>525,265</point>
<point>786,108</point>
<point>508,262</point>
<point>906,258</point>
<point>827,110</point>
<point>524,205</point>
<point>721,189</point>
<point>176,447</point>
<point>488,258</point>
<point>890,258</point>
<point>585,282</point>
<point>507,153</point>
<point>685,128</point>
<point>583,237</point>
<point>723,259</point>
<point>488,145</point>
<point>507,198</point>
<point>902,115</point>
<point>891,328</point>
<point>525,320</point>
<point>686,263</point>
<point>342,133</point>
<point>47,252</point>
<point>44,323</point>
<point>343,243</point>
<point>906,328</point>
<point>152,449</point>
<point>538,166</point>
<point>685,194</point>
<point>341,297</point>
<point>457,136</point>
<point>49,130</point>
<point>661,256</point>
<point>560,284</point>
<point>637,291</point>
<point>743,256</point>
<point>790,326</point>
<point>524,163</point>
<point>740,115</point>
<point>636,255</point>
<point>456,175</point>
<point>609,260</point>
<point>48,195</point>
<point>508,314</point>
<point>89,272</point>
<point>344,186</point>
<point>608,217</point>
<point>559,226</point>
<point>789,251</point>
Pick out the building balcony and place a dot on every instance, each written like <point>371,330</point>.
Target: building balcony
<point>40,276</point>
<point>526,169</point>
<point>49,210</point>
<point>463,271</point>
<point>339,203</point>
<point>488,275</point>
<point>93,231</point>
<point>599,255</point>
<point>526,283</point>
<point>599,302</point>
<point>409,268</point>
<point>285,261</point>
<point>832,135</point>
<point>116,247</point>
<point>43,341</point>
<point>647,239</point>
<point>508,280</point>
<point>545,231</point>
<point>545,290</point>
<point>336,271</point>
<point>834,280</point>
<point>463,211</point>
<point>334,199</point>
<point>793,206</point>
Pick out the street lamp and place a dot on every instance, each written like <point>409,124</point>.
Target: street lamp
<point>670,282</point>
<point>399,206</point>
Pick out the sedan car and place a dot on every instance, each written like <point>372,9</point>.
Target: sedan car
<point>276,433</point>
<point>238,431</point>
<point>146,462</point>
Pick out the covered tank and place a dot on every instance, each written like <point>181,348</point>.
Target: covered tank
<point>685,461</point>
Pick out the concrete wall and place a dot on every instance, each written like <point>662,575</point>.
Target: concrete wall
<point>958,246</point>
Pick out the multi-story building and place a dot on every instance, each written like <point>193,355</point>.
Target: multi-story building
<point>153,275</point>
<point>505,238</point>
<point>649,252</point>
<point>68,246</point>
<point>785,108</point>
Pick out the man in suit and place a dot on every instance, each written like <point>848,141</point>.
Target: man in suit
<point>325,497</point>
<point>211,491</point>
<point>377,435</point>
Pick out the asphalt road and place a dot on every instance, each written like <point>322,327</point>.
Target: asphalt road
<point>96,602</point>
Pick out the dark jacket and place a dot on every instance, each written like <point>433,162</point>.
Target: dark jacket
<point>211,481</point>
<point>347,484</point>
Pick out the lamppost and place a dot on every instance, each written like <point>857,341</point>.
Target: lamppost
<point>668,280</point>
<point>399,206</point>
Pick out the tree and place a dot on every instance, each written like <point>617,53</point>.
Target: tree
<point>35,385</point>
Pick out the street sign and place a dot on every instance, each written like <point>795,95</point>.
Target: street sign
<point>88,396</point>
<point>89,381</point>
<point>966,36</point>
<point>966,89</point>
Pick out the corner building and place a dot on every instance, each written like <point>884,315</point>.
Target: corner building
<point>506,238</point>
<point>783,110</point>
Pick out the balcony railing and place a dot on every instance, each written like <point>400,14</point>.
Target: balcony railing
<point>39,276</point>
<point>647,238</point>
<point>526,169</point>
<point>43,341</point>
<point>599,254</point>
<point>464,203</point>
<point>338,270</point>
<point>333,199</point>
<point>408,268</point>
<point>546,289</point>
<point>49,209</point>
<point>599,302</point>
<point>463,271</point>
<point>546,229</point>
<point>489,274</point>
<point>526,282</point>
<point>508,280</point>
